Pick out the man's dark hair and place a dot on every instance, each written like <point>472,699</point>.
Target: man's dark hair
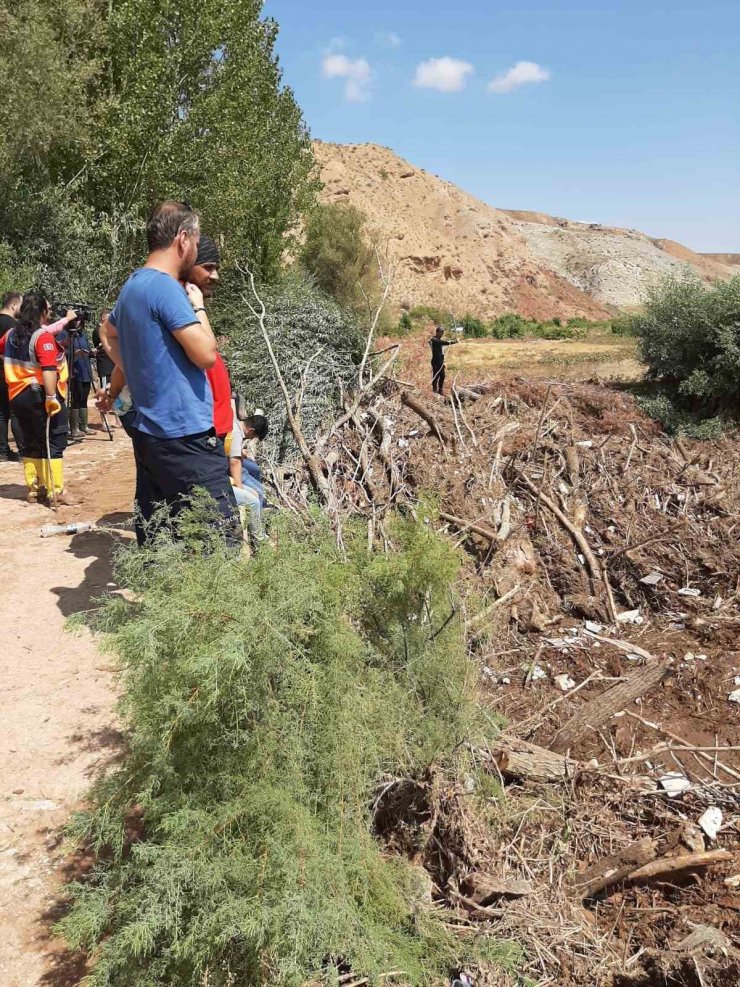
<point>9,298</point>
<point>258,424</point>
<point>166,221</point>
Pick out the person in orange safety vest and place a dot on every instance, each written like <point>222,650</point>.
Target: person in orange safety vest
<point>36,375</point>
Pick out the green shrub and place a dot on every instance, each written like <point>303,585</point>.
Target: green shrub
<point>473,327</point>
<point>302,323</point>
<point>690,338</point>
<point>623,325</point>
<point>428,313</point>
<point>405,324</point>
<point>265,703</point>
<point>508,326</point>
<point>676,420</point>
<point>556,330</point>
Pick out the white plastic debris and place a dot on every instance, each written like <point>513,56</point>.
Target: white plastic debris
<point>593,627</point>
<point>538,672</point>
<point>414,431</point>
<point>652,579</point>
<point>710,821</point>
<point>585,444</point>
<point>581,558</point>
<point>488,673</point>
<point>674,783</point>
<point>403,443</point>
<point>689,656</point>
<point>737,680</point>
<point>564,682</point>
<point>734,697</point>
<point>631,656</point>
<point>701,657</point>
<point>630,617</point>
<point>689,591</point>
<point>506,680</point>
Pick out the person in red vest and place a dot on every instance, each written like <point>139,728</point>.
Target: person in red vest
<point>36,374</point>
<point>205,275</point>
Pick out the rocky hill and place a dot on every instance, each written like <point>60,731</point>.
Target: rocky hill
<point>459,253</point>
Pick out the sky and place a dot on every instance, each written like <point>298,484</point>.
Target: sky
<point>623,112</point>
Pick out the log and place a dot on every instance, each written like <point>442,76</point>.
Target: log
<point>519,759</point>
<point>611,870</point>
<point>416,406</point>
<point>674,865</point>
<point>485,888</point>
<point>598,711</point>
<point>465,394</point>
<point>473,526</point>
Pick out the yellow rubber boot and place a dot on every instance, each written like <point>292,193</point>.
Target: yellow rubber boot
<point>32,472</point>
<point>57,478</point>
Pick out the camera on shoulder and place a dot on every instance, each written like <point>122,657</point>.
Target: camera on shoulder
<point>84,314</point>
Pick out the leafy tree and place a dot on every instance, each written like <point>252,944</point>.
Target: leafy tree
<point>509,325</point>
<point>120,105</point>
<point>690,339</point>
<point>337,254</point>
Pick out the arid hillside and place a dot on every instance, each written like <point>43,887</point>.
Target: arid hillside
<point>459,253</point>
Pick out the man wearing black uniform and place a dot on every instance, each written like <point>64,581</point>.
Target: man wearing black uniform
<point>438,359</point>
<point>11,303</point>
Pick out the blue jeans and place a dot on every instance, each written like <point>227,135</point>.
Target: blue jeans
<point>247,498</point>
<point>252,478</point>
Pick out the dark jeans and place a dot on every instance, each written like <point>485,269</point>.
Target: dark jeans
<point>438,378</point>
<point>5,417</point>
<point>29,414</point>
<point>168,471</point>
<point>79,393</point>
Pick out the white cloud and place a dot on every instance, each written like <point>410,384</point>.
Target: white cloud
<point>447,75</point>
<point>518,75</point>
<point>355,72</point>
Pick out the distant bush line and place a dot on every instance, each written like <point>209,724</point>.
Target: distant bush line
<point>510,325</point>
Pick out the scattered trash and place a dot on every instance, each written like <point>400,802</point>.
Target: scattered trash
<point>631,656</point>
<point>689,591</point>
<point>564,682</point>
<point>592,626</point>
<point>403,443</point>
<point>689,656</point>
<point>506,680</point>
<point>653,579</point>
<point>581,558</point>
<point>677,626</point>
<point>674,783</point>
<point>488,673</point>
<point>734,697</point>
<point>67,529</point>
<point>585,444</point>
<point>701,657</point>
<point>710,821</point>
<point>538,672</point>
<point>630,617</point>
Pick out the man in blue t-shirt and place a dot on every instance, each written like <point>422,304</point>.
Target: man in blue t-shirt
<point>166,345</point>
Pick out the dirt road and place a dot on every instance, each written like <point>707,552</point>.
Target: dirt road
<point>57,724</point>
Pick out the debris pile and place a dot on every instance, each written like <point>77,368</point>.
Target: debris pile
<point>604,594</point>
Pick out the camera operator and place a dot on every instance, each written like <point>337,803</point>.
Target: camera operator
<point>36,374</point>
<point>76,343</point>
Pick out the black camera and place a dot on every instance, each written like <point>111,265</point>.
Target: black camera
<point>84,312</point>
